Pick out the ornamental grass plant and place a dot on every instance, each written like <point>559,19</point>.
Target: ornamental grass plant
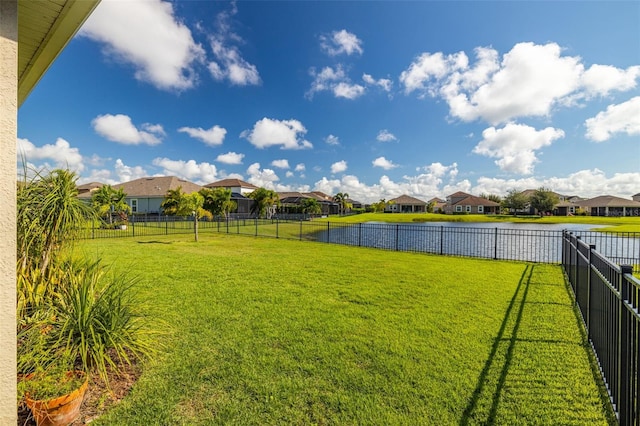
<point>72,313</point>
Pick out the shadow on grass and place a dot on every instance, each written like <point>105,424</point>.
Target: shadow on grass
<point>154,242</point>
<point>525,280</point>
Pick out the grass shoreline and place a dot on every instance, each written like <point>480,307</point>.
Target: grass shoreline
<point>615,224</point>
<point>269,331</point>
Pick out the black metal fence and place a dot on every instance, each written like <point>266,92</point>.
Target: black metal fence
<point>533,245</point>
<point>608,297</point>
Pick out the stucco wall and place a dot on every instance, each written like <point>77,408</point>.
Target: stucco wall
<point>8,137</point>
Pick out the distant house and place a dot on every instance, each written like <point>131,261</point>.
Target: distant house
<point>438,204</point>
<point>567,204</point>
<point>406,204</point>
<point>608,205</point>
<point>235,185</point>
<point>145,195</point>
<point>88,188</point>
<point>239,191</point>
<point>355,204</point>
<point>461,202</point>
<point>636,197</point>
<point>565,208</point>
<point>290,201</point>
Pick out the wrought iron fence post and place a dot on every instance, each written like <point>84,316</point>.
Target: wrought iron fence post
<point>360,234</point>
<point>397,232</point>
<point>625,393</point>
<point>328,228</point>
<point>277,222</point>
<point>93,229</point>
<point>587,308</point>
<point>575,266</point>
<point>441,239</point>
<point>495,243</point>
<point>133,225</point>
<point>256,226</point>
<point>300,229</point>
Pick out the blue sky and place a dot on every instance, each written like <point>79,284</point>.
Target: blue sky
<point>376,99</point>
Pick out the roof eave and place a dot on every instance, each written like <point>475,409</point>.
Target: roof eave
<point>66,24</point>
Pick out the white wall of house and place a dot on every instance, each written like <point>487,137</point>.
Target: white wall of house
<point>8,172</point>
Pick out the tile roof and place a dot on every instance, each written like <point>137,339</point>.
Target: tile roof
<point>472,200</point>
<point>459,194</point>
<point>609,201</point>
<point>321,196</point>
<point>230,183</point>
<point>156,186</point>
<point>408,200</point>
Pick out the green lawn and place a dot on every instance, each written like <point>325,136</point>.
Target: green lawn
<point>617,224</point>
<point>266,331</point>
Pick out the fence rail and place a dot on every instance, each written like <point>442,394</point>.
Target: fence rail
<point>531,245</point>
<point>608,297</point>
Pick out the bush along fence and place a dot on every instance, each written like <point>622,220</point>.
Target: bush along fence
<point>608,297</point>
<point>531,245</point>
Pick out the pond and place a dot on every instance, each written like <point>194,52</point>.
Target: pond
<point>506,241</point>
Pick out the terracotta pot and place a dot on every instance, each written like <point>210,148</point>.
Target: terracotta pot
<point>59,411</point>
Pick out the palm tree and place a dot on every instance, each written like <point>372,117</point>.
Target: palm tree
<point>178,203</point>
<point>311,206</point>
<point>49,217</point>
<point>265,202</point>
<point>218,201</point>
<point>107,200</point>
<point>341,198</point>
<point>119,203</point>
<point>101,202</point>
<point>172,200</point>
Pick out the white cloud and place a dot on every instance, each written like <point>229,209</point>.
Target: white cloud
<point>147,35</point>
<point>288,134</point>
<point>339,167</point>
<point>384,83</point>
<point>328,186</point>
<point>348,91</point>
<point>332,140</point>
<point>335,81</point>
<point>201,173</point>
<point>383,163</point>
<point>300,167</point>
<point>126,173</point>
<point>229,63</point>
<point>339,42</point>
<point>530,81</point>
<point>61,153</point>
<point>620,118</point>
<point>289,174</point>
<point>230,158</point>
<point>583,183</point>
<point>439,180</point>
<point>515,146</point>
<point>232,66</point>
<point>264,178</point>
<point>212,137</point>
<point>119,128</point>
<point>385,136</point>
<point>423,186</point>
<point>98,175</point>
<point>429,67</point>
<point>281,164</point>
<point>602,79</point>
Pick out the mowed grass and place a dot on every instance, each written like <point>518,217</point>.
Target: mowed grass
<point>268,332</point>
